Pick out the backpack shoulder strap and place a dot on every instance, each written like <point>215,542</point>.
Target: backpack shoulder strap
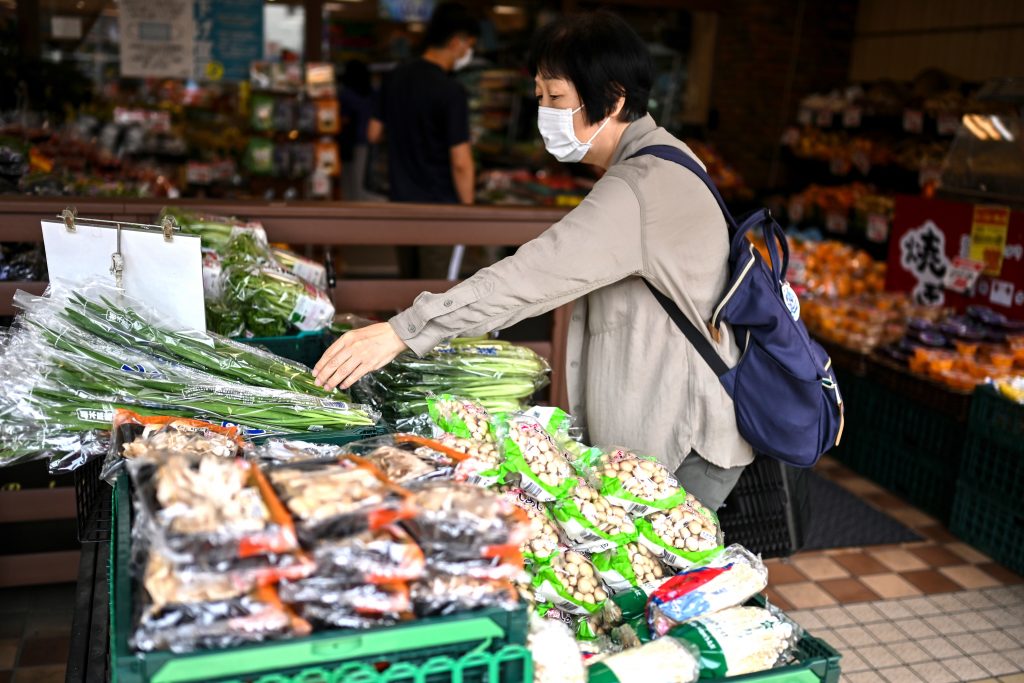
<point>676,155</point>
<point>692,333</point>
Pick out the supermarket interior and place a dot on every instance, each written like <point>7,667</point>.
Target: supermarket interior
<point>325,355</point>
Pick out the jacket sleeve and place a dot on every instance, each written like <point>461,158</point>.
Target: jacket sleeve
<point>597,243</point>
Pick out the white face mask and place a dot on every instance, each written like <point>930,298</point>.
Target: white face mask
<point>559,135</point>
<point>463,61</point>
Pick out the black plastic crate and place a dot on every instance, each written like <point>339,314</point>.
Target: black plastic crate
<point>987,523</point>
<point>92,503</point>
<point>991,464</point>
<point>998,418</point>
<point>768,510</point>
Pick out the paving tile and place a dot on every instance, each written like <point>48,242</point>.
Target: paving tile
<point>859,563</point>
<point>853,662</point>
<point>972,555</point>
<point>996,664</point>
<point>974,621</point>
<point>915,629</point>
<point>41,674</point>
<point>922,607</point>
<point>774,598</point>
<point>856,636</point>
<point>809,619</point>
<point>937,533</point>
<point>861,487</point>
<point>890,585</point>
<point>971,644</point>
<point>819,568</point>
<point>939,647</point>
<point>1003,595</point>
<point>946,625</point>
<point>1012,678</point>
<point>865,614</point>
<point>1004,575</point>
<point>964,669</point>
<point>933,672</point>
<point>898,560</point>
<point>6,677</point>
<point>1003,617</point>
<point>911,517</point>
<point>780,573</point>
<point>885,500</point>
<point>969,576</point>
<point>999,640</point>
<point>12,625</point>
<point>931,581</point>
<point>899,674</point>
<point>878,656</point>
<point>948,602</point>
<point>8,651</point>
<point>862,677</point>
<point>910,653</point>
<point>848,590</point>
<point>41,651</point>
<point>1015,655</point>
<point>893,609</point>
<point>805,595</point>
<point>937,556</point>
<point>886,632</point>
<point>834,617</point>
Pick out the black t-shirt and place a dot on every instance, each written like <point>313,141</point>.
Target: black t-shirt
<point>425,113</point>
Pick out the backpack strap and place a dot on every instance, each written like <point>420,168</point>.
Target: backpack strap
<point>676,155</point>
<point>692,333</point>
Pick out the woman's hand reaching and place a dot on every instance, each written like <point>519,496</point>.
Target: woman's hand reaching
<point>357,353</point>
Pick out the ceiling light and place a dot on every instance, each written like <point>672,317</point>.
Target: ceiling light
<point>507,9</point>
<point>1001,127</point>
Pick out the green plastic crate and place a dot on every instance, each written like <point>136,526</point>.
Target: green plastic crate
<point>304,347</point>
<point>486,645</point>
<point>998,418</point>
<point>816,662</point>
<point>985,521</point>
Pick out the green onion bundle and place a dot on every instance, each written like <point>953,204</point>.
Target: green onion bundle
<point>498,374</point>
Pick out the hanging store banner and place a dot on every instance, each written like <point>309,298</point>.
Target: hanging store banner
<point>229,37</point>
<point>156,38</point>
<point>932,237</point>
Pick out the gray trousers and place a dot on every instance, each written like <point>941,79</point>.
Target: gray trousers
<point>710,483</point>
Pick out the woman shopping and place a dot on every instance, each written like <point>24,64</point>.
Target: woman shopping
<point>633,378</point>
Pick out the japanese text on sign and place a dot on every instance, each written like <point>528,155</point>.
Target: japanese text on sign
<point>923,253</point>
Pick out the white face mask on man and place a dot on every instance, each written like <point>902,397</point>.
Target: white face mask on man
<point>463,61</point>
<point>559,135</point>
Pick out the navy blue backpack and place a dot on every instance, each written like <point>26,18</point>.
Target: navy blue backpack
<point>787,400</point>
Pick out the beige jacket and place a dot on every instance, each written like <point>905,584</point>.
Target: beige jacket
<point>633,379</point>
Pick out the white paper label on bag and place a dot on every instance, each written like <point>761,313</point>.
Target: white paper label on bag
<point>312,272</point>
<point>312,313</point>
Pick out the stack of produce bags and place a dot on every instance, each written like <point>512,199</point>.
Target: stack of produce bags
<point>72,358</point>
<point>251,288</point>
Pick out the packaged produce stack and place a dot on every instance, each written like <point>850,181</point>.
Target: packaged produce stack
<point>500,375</point>
<point>72,358</point>
<point>253,289</point>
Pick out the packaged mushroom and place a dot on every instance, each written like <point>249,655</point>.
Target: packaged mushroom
<point>728,580</point>
<point>335,603</point>
<point>208,508</point>
<point>455,521</point>
<point>438,593</point>
<point>738,640</point>
<point>591,522</point>
<point>640,484</point>
<point>482,462</point>
<point>383,556</point>
<point>543,541</point>
<point>683,536</point>
<point>462,418</point>
<point>570,583</point>
<point>339,498</point>
<point>665,661</point>
<point>630,566</point>
<point>535,461</point>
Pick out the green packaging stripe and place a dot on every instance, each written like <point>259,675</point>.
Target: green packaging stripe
<point>713,662</point>
<point>651,539</point>
<point>615,569</point>
<point>516,463</point>
<point>546,576</point>
<point>566,511</point>
<point>612,487</point>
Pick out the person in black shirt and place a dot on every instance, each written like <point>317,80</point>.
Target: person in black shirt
<point>425,113</point>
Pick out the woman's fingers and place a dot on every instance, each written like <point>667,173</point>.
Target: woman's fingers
<point>355,354</point>
<point>332,350</point>
<point>343,370</point>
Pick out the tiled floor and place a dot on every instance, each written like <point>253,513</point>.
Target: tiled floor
<point>35,630</point>
<point>936,610</point>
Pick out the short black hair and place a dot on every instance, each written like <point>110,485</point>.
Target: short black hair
<point>602,56</point>
<point>449,20</point>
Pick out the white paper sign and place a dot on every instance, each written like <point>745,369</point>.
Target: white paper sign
<point>156,38</point>
<point>167,276</point>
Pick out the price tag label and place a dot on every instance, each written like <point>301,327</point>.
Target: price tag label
<point>804,116</point>
<point>948,124</point>
<point>796,210</point>
<point>851,117</point>
<point>824,118</point>
<point>913,120</point>
<point>878,228</point>
<point>964,274</point>
<point>837,223</point>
